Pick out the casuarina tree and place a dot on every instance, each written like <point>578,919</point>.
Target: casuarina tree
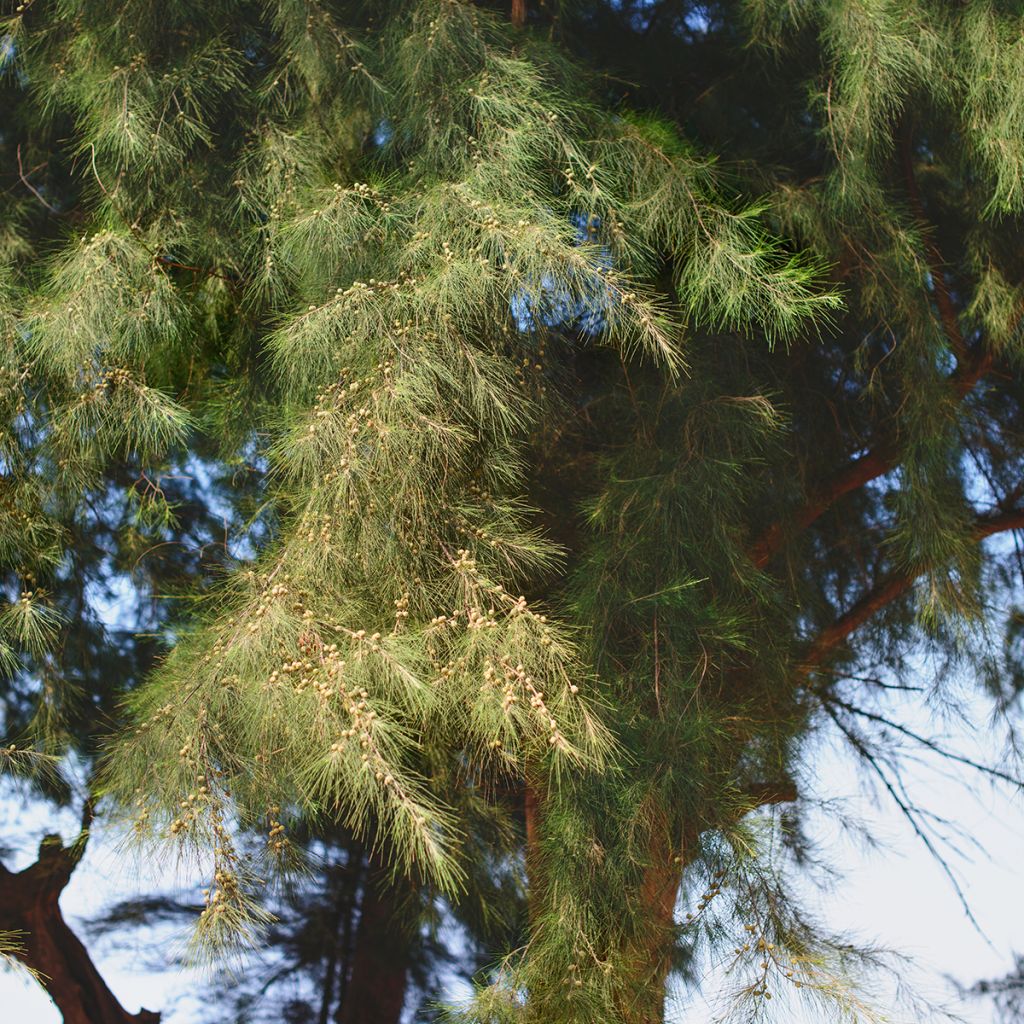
<point>602,400</point>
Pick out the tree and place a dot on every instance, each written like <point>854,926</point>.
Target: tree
<point>632,390</point>
<point>345,944</point>
<point>66,679</point>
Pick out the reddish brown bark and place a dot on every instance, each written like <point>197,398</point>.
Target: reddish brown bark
<point>649,950</point>
<point>519,12</point>
<point>892,587</point>
<point>856,473</point>
<point>530,818</point>
<point>859,472</point>
<point>375,993</point>
<point>29,905</point>
<point>531,821</point>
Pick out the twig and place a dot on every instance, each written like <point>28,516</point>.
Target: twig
<point>910,814</point>
<point>924,741</point>
<point>28,184</point>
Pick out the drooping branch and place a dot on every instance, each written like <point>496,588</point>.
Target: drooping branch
<point>936,264</point>
<point>910,813</point>
<point>890,588</point>
<point>924,741</point>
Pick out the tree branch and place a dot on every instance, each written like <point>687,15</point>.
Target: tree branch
<point>856,474</point>
<point>971,366</point>
<point>891,587</point>
<point>208,271</point>
<point>764,793</point>
<point>29,905</point>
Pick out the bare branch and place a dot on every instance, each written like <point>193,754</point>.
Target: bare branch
<point>907,811</point>
<point>995,773</point>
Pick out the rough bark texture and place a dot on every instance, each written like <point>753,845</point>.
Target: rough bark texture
<point>375,993</point>
<point>29,904</point>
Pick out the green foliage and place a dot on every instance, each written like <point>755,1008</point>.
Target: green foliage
<point>991,55</point>
<point>553,416</point>
<point>408,391</point>
<point>10,948</point>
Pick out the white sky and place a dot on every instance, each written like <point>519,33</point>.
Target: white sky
<point>899,898</point>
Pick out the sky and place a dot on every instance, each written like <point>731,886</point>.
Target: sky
<point>896,896</point>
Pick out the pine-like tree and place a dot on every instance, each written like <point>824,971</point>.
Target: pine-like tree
<point>633,390</point>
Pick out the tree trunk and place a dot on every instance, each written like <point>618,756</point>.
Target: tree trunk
<point>375,993</point>
<point>649,949</point>
<point>532,804</point>
<point>29,905</point>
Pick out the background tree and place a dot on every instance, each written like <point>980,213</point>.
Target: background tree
<point>345,944</point>
<point>1006,993</point>
<point>630,392</point>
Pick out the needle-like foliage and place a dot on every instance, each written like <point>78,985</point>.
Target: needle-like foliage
<point>572,385</point>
